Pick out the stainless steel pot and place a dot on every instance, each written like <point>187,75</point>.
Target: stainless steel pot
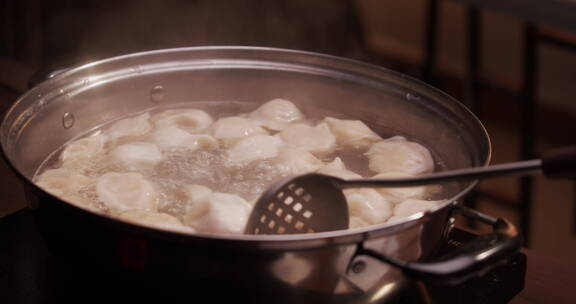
<point>364,265</point>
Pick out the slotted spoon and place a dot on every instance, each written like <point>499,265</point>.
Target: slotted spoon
<point>315,203</point>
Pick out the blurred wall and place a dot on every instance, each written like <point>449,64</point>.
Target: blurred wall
<point>81,31</point>
<point>396,29</point>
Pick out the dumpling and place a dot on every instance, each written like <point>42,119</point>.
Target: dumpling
<point>125,191</point>
<point>280,110</point>
<point>228,214</point>
<point>276,114</point>
<point>198,203</point>
<point>368,205</point>
<point>174,137</point>
<point>232,129</point>
<point>334,165</point>
<point>192,120</point>
<point>317,140</point>
<point>357,222</point>
<point>352,133</point>
<point>413,206</point>
<point>62,182</point>
<point>135,126</point>
<point>293,161</point>
<point>67,185</point>
<point>396,195</point>
<point>399,155</point>
<point>136,156</point>
<point>154,219</point>
<point>255,148</point>
<point>84,148</point>
<point>338,169</point>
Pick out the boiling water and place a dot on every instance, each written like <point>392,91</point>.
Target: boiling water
<point>207,167</point>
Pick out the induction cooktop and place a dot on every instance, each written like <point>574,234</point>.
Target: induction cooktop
<point>30,274</point>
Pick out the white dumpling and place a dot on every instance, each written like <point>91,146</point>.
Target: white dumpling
<point>191,120</point>
<point>136,156</point>
<point>62,182</point>
<point>154,219</point>
<point>197,204</point>
<point>294,161</point>
<point>400,155</point>
<point>255,148</point>
<point>84,148</point>
<point>352,133</point>
<point>174,137</point>
<point>232,129</point>
<point>125,191</point>
<point>368,205</point>
<point>135,126</point>
<point>396,195</point>
<point>317,140</point>
<point>337,168</point>
<point>413,206</point>
<point>276,114</point>
<point>228,214</point>
<point>357,222</point>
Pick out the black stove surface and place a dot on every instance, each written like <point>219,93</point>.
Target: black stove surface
<point>29,274</point>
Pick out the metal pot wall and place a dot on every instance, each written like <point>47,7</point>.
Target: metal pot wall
<point>364,265</point>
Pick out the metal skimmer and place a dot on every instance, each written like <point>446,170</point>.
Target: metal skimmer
<point>315,203</point>
<point>299,204</point>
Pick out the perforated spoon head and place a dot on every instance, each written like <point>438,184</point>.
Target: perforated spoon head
<point>300,204</point>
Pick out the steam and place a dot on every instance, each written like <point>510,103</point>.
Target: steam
<point>122,27</point>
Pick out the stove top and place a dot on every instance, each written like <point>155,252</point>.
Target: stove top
<point>29,274</point>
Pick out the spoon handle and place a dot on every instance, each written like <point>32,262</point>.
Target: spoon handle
<point>516,168</point>
<point>559,163</point>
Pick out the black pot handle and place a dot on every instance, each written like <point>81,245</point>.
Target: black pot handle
<point>470,260</point>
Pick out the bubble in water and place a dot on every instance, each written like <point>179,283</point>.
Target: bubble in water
<point>157,94</point>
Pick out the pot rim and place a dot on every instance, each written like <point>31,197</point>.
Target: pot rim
<point>274,241</point>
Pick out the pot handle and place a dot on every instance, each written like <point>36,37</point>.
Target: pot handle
<point>471,259</point>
